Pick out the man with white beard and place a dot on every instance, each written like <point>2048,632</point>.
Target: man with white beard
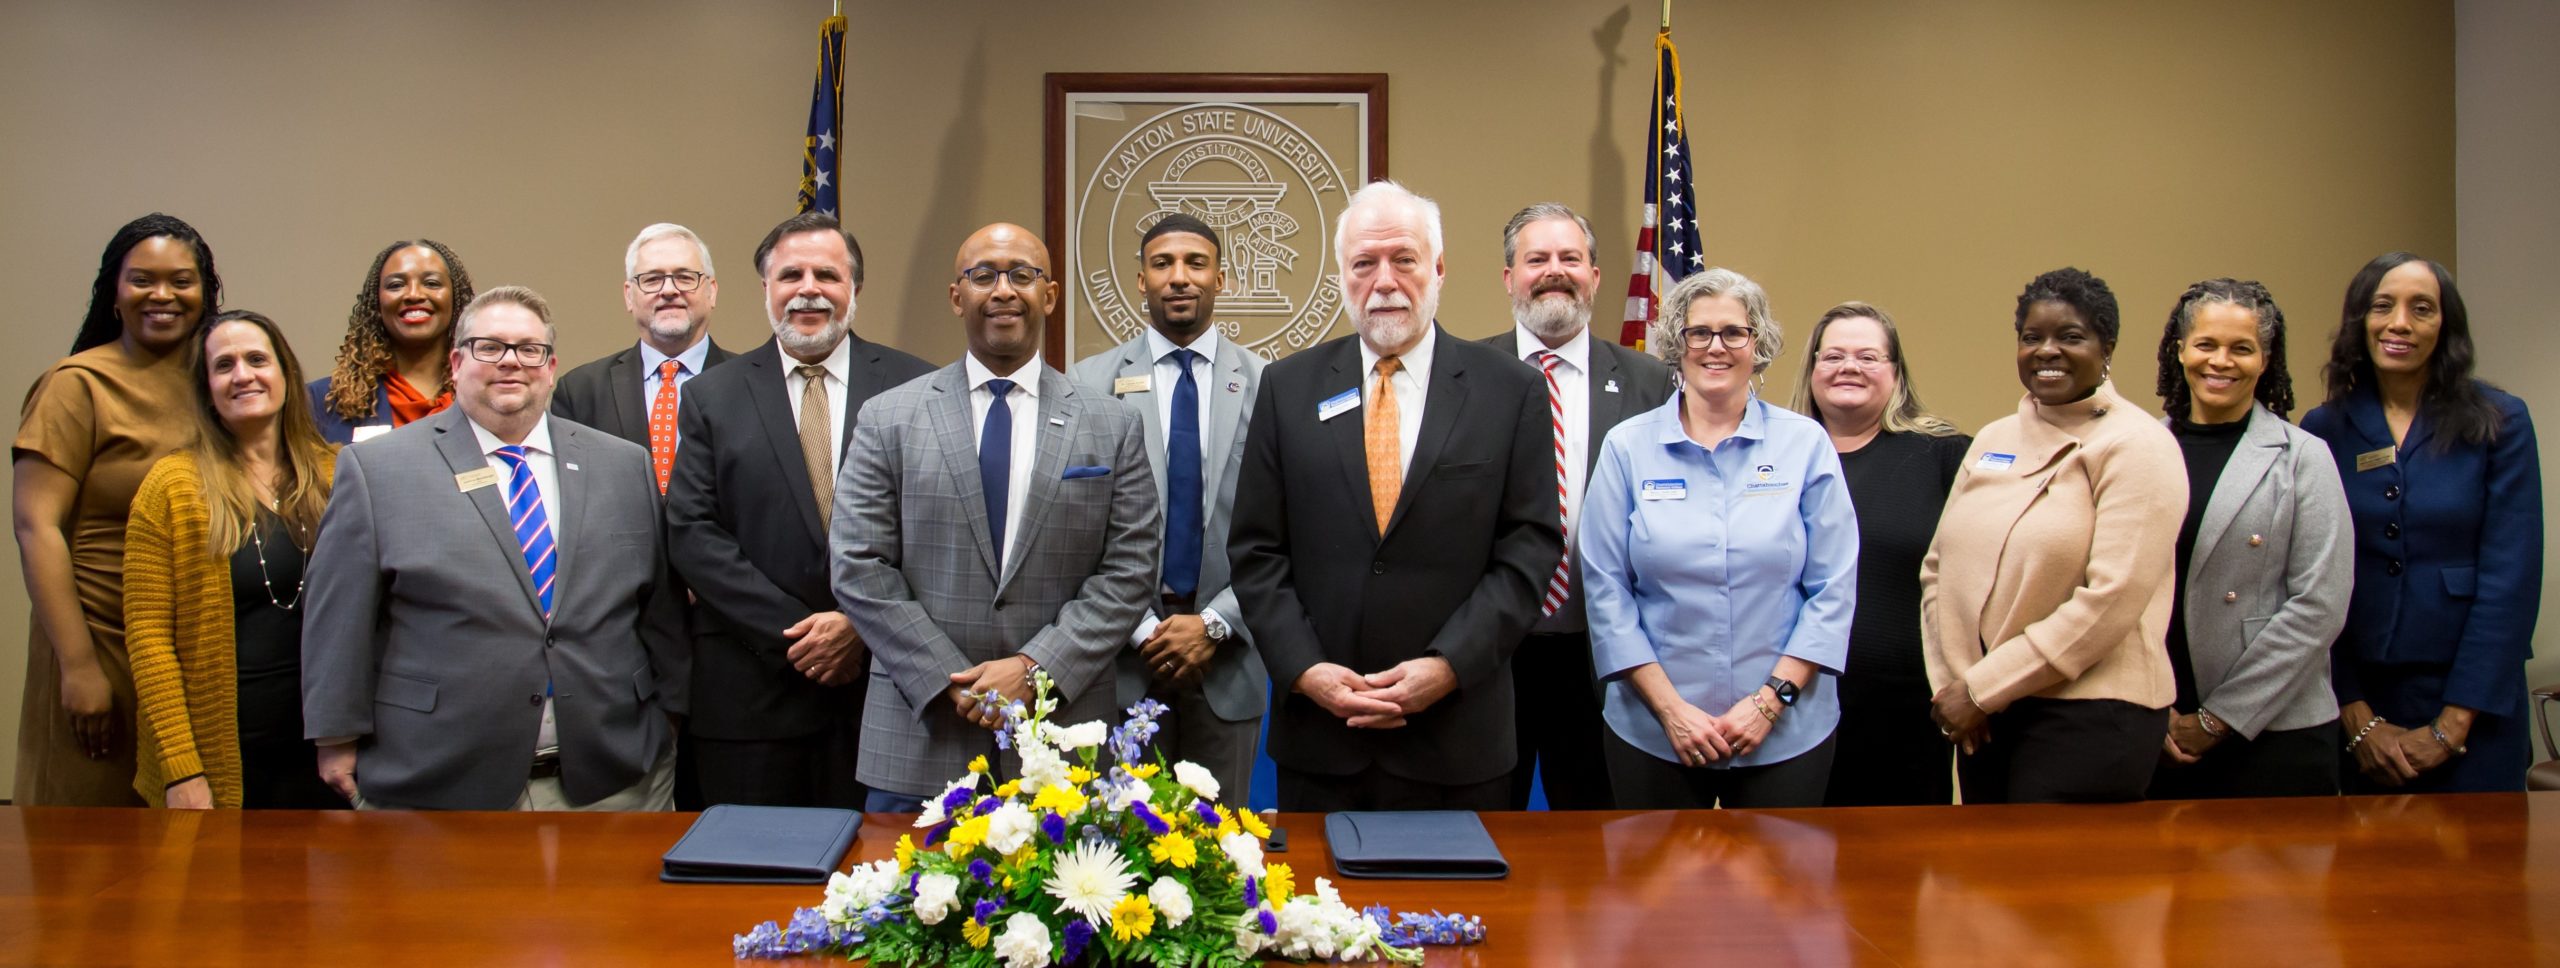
<point>779,669</point>
<point>669,289</point>
<point>1548,270</point>
<point>1395,530</point>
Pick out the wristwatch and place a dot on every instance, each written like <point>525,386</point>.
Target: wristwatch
<point>1786,690</point>
<point>1215,627</point>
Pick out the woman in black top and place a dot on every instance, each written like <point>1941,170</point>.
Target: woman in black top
<point>1900,461</point>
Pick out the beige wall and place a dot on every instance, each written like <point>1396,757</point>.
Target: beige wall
<point>1928,157</point>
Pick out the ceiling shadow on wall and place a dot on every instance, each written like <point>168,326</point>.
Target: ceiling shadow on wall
<point>959,170</point>
<point>1608,164</point>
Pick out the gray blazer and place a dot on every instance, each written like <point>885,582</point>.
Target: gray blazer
<point>914,568</point>
<point>423,634</point>
<point>2267,587</point>
<point>1236,685</point>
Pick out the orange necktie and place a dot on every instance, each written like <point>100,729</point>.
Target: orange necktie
<point>662,424</point>
<point>1386,447</point>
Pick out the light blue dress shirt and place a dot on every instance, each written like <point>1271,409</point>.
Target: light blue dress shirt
<point>1717,563</point>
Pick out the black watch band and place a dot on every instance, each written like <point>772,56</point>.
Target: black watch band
<point>1786,690</point>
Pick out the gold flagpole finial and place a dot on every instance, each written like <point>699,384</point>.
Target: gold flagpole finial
<point>1666,14</point>
<point>1666,6</point>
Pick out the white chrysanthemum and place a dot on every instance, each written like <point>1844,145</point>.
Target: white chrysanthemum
<point>1090,879</point>
<point>1076,737</point>
<point>1197,778</point>
<point>1010,826</point>
<point>1041,766</point>
<point>1171,900</point>
<point>936,895</point>
<point>1249,938</point>
<point>1025,941</point>
<point>849,893</point>
<point>1245,850</point>
<point>931,814</point>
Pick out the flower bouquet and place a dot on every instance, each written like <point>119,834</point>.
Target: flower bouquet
<point>1075,863</point>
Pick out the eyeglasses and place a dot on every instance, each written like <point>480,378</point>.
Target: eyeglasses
<point>685,280</point>
<point>491,351</point>
<point>1835,360</point>
<point>983,278</point>
<point>1700,337</point>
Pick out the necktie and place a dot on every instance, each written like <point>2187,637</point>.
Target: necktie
<point>1561,583</point>
<point>533,528</point>
<point>818,440</point>
<point>1385,444</point>
<point>662,423</point>
<point>995,462</point>
<point>1182,483</point>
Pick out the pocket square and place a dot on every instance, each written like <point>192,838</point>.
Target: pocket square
<point>1087,471</point>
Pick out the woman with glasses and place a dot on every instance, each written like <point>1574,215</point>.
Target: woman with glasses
<point>1719,555</point>
<point>2045,597</point>
<point>92,427</point>
<point>2265,560</point>
<point>213,582</point>
<point>1899,460</point>
<point>391,368</point>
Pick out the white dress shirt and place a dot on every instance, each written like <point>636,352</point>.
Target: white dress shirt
<point>1573,383</point>
<point>1412,379</point>
<point>1166,377</point>
<point>688,365</point>
<point>1024,404</point>
<point>546,476</point>
<point>837,364</point>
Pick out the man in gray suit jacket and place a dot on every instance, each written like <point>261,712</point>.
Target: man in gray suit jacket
<point>1194,392</point>
<point>989,519</point>
<point>489,625</point>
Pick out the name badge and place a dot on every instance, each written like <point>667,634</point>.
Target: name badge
<point>363,434</point>
<point>1338,404</point>
<point>1132,384</point>
<point>475,479</point>
<point>1668,489</point>
<point>1995,462</point>
<point>2376,458</point>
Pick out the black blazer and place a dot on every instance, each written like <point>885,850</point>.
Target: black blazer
<point>744,530</point>
<point>1623,383</point>
<point>606,393</point>
<point>1457,573</point>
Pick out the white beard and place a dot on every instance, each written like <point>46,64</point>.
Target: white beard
<point>1550,319</point>
<point>1378,333</point>
<point>820,343</point>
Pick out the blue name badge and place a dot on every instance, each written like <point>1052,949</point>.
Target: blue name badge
<point>1338,404</point>
<point>1666,489</point>
<point>1995,462</point>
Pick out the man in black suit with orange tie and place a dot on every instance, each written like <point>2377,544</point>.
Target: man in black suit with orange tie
<point>670,291</point>
<point>1395,526</point>
<point>779,668</point>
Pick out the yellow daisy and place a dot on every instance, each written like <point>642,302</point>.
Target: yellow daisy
<point>969,833</point>
<point>1132,918</point>
<point>1145,771</point>
<point>906,852</point>
<point>1008,789</point>
<point>1227,826</point>
<point>978,764</point>
<point>1065,800</point>
<point>976,933</point>
<point>1253,824</point>
<point>1174,849</point>
<point>1277,883</point>
<point>1079,775</point>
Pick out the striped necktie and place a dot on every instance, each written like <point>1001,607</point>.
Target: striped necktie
<point>533,528</point>
<point>1561,583</point>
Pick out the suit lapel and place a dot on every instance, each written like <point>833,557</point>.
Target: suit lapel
<point>1134,362</point>
<point>948,413</point>
<point>1607,408</point>
<point>772,399</point>
<point>1226,415</point>
<point>1350,444</point>
<point>861,370</point>
<point>568,452</point>
<point>461,450</point>
<point>1057,412</point>
<point>2260,445</point>
<point>1441,403</point>
<point>632,412</point>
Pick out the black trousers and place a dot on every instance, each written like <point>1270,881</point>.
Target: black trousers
<point>1376,789</point>
<point>2279,763</point>
<point>1890,752</point>
<point>1558,712</point>
<point>2066,751</point>
<point>284,774</point>
<point>804,771</point>
<point>1648,782</point>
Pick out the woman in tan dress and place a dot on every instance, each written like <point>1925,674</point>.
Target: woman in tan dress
<point>92,427</point>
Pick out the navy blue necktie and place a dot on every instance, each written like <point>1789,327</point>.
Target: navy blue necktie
<point>995,462</point>
<point>1182,484</point>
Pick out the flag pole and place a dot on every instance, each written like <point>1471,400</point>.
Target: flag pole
<point>1666,13</point>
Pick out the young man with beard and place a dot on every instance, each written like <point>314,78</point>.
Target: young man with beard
<point>1194,390</point>
<point>1547,269</point>
<point>1395,527</point>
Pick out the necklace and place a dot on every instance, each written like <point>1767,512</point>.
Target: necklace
<point>260,543</point>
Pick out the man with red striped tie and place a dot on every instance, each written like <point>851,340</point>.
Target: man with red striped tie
<point>1547,268</point>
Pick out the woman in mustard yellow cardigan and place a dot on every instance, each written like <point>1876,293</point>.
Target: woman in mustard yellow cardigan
<point>214,553</point>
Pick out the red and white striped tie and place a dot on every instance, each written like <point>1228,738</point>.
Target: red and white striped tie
<point>1562,583</point>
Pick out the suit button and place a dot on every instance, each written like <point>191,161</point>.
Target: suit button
<point>536,698</point>
<point>2391,493</point>
<point>2229,598</point>
<point>2257,539</point>
<point>1377,567</point>
<point>2393,569</point>
<point>2391,530</point>
<point>551,641</point>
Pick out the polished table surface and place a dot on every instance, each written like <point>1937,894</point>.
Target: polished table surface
<point>2469,880</point>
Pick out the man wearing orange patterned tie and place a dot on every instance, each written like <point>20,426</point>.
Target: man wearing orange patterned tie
<point>668,286</point>
<point>1395,530</point>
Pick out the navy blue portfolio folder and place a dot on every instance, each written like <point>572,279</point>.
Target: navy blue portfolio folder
<point>733,844</point>
<point>1418,844</point>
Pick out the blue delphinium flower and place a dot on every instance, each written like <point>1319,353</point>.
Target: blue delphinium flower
<point>1079,933</point>
<point>764,941</point>
<point>809,931</point>
<point>986,910</point>
<point>1094,834</point>
<point>984,872</point>
<point>1388,931</point>
<point>1053,825</point>
<point>1155,824</point>
<point>1130,738</point>
<point>1438,928</point>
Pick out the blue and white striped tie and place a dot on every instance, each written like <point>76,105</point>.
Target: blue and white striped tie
<point>533,528</point>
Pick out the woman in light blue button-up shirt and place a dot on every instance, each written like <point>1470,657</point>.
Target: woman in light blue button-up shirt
<point>1720,563</point>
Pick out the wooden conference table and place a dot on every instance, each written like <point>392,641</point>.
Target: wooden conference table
<point>2468,880</point>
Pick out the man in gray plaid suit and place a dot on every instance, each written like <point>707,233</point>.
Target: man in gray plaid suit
<point>989,519</point>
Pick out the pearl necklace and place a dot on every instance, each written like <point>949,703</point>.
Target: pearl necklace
<point>260,544</point>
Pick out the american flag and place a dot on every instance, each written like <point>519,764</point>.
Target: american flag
<point>1668,238</point>
<point>826,119</point>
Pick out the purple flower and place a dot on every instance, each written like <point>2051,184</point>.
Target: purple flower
<point>1053,825</point>
<point>1253,892</point>
<point>1004,740</point>
<point>985,911</point>
<point>958,796</point>
<point>984,872</point>
<point>985,805</point>
<point>1269,924</point>
<point>1079,933</point>
<point>1155,824</point>
<point>1208,815</point>
<point>935,833</point>
<point>809,931</point>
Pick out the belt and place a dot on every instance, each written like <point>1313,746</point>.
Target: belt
<point>546,765</point>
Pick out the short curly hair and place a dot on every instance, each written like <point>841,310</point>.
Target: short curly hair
<point>2275,385</point>
<point>1767,337</point>
<point>2079,290</point>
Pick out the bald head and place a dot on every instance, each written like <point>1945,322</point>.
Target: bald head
<point>1002,292</point>
<point>1004,237</point>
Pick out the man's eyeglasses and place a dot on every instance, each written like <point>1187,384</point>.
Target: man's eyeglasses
<point>983,278</point>
<point>491,351</point>
<point>685,280</point>
<point>1734,338</point>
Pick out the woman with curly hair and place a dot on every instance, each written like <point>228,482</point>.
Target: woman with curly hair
<point>92,427</point>
<point>2265,559</point>
<point>392,368</point>
<point>2045,597</point>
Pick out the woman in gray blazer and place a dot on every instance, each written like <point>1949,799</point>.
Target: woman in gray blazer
<point>2265,560</point>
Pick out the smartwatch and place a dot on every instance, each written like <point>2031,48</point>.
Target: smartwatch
<point>1786,690</point>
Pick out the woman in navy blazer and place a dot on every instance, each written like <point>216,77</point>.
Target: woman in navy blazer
<point>2446,490</point>
<point>399,336</point>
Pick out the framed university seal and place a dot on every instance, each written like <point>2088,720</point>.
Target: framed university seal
<point>1266,159</point>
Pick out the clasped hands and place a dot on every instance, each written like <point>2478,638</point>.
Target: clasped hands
<point>1379,700</point>
<point>981,691</point>
<point>825,648</point>
<point>1700,738</point>
<point>1962,721</point>
<point>2392,755</point>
